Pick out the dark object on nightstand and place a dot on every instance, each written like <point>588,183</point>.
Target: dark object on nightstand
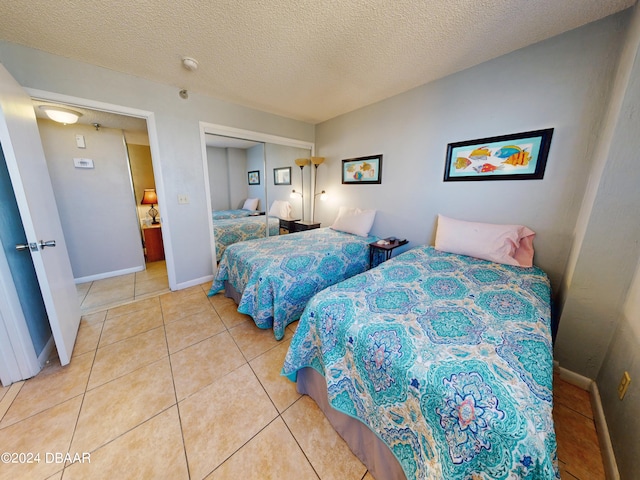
<point>286,226</point>
<point>302,226</point>
<point>381,250</point>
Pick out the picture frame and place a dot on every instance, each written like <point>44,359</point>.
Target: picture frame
<point>282,176</point>
<point>362,170</point>
<point>518,156</point>
<point>254,177</point>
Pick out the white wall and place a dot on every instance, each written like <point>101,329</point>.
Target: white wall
<point>96,206</point>
<point>623,416</point>
<point>561,83</point>
<point>279,156</point>
<point>255,161</point>
<point>607,268</point>
<point>606,250</point>
<point>179,156</point>
<point>218,169</point>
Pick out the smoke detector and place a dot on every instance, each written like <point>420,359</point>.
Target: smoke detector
<point>190,64</point>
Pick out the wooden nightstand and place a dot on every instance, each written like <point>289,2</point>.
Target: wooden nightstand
<point>286,226</point>
<point>302,226</point>
<point>379,253</point>
<point>153,245</point>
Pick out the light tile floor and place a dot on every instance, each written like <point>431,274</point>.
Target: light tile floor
<point>182,386</point>
<point>102,294</point>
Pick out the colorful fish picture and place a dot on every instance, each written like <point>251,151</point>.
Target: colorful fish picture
<point>520,156</point>
<point>362,170</point>
<point>254,177</point>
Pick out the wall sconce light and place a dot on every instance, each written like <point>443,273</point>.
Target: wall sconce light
<point>60,115</point>
<point>150,198</point>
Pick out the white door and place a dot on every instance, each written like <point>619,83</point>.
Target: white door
<point>27,167</point>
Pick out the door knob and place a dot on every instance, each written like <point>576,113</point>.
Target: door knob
<point>48,243</point>
<point>27,246</point>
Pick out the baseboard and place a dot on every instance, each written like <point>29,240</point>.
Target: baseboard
<point>608,458</point>
<point>193,283</point>
<point>102,276</point>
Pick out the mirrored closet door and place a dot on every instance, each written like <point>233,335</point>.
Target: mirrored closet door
<point>246,173</point>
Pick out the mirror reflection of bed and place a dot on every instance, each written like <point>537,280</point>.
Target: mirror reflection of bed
<point>246,203</point>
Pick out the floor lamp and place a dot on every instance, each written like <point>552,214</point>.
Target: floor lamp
<point>302,162</point>
<point>316,161</point>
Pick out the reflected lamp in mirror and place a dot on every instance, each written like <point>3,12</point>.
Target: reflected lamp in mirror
<point>302,162</point>
<point>150,198</point>
<point>60,115</point>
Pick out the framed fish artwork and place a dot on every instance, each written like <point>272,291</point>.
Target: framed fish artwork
<point>362,170</point>
<point>520,156</point>
<point>254,177</point>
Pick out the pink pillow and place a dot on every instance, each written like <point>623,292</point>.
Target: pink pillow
<point>508,244</point>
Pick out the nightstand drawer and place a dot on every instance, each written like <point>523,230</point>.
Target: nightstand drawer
<point>302,226</point>
<point>287,226</point>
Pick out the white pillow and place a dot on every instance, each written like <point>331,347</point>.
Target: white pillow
<point>250,204</point>
<point>508,244</point>
<point>354,220</point>
<point>280,209</point>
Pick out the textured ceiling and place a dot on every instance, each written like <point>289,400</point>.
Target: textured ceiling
<point>310,60</point>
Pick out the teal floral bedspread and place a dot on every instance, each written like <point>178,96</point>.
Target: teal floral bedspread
<point>278,275</point>
<point>233,230</point>
<point>447,358</point>
<point>238,213</point>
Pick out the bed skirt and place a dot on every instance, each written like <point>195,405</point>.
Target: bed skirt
<point>231,292</point>
<point>365,444</point>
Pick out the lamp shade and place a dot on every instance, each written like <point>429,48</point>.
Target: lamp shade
<point>317,160</point>
<point>301,162</point>
<point>149,197</point>
<point>60,115</point>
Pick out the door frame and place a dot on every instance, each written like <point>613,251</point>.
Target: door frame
<point>155,156</point>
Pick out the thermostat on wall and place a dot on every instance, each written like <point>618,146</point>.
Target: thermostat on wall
<point>83,163</point>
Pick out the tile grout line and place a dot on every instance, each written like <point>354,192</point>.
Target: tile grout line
<point>84,393</point>
<point>9,397</point>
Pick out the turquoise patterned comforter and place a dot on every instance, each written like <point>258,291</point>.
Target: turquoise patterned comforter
<point>278,275</point>
<point>233,230</point>
<point>238,213</point>
<point>447,358</point>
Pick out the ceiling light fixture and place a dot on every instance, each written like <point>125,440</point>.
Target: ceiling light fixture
<point>190,64</point>
<point>61,115</point>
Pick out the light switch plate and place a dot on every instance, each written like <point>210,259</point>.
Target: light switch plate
<point>80,141</point>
